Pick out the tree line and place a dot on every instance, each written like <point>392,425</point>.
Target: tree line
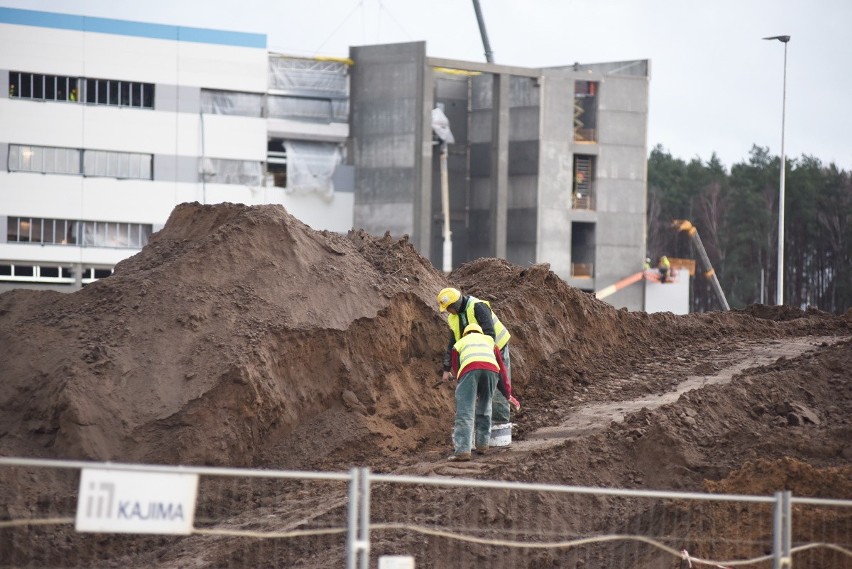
<point>736,214</point>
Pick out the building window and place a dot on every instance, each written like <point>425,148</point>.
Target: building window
<point>303,166</point>
<point>231,103</point>
<point>125,165</point>
<point>582,250</point>
<point>43,159</point>
<point>276,162</point>
<point>222,171</point>
<point>52,160</point>
<point>50,274</point>
<point>300,108</point>
<point>120,93</point>
<point>42,87</point>
<point>585,111</point>
<point>109,234</point>
<point>582,196</point>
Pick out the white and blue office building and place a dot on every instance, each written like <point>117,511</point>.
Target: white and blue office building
<point>106,125</point>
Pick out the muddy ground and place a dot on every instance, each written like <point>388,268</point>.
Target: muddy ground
<point>241,337</point>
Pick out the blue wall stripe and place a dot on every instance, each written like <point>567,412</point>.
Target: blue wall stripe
<point>127,28</point>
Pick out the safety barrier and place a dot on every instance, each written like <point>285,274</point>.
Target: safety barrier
<point>357,519</point>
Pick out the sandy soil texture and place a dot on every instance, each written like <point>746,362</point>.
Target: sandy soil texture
<point>241,337</point>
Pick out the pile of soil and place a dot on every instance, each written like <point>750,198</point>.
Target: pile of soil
<point>242,337</point>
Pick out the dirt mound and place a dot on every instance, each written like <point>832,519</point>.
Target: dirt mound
<point>240,336</point>
<point>233,328</point>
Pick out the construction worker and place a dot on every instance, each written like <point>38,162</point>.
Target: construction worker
<point>464,310</point>
<point>477,363</point>
<point>664,266</point>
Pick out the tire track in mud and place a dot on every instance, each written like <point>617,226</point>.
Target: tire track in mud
<point>593,417</point>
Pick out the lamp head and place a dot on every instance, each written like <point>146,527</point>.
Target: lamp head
<point>782,39</point>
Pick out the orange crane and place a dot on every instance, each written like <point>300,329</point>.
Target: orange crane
<point>709,272</point>
<point>683,225</point>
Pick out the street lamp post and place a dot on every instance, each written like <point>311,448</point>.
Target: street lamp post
<point>780,287</point>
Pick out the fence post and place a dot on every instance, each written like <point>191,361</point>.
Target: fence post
<point>782,531</point>
<point>787,537</point>
<point>352,523</point>
<point>364,533</point>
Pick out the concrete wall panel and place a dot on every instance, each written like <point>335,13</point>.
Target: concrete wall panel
<point>624,94</point>
<point>377,218</point>
<point>523,123</point>
<point>379,185</point>
<point>524,92</point>
<point>622,128</point>
<point>523,191</point>
<point>521,225</point>
<point>523,157</point>
<point>480,160</point>
<point>556,250</point>
<point>622,162</point>
<point>386,116</point>
<point>392,151</point>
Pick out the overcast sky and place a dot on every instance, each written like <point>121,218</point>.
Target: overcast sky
<point>715,85</point>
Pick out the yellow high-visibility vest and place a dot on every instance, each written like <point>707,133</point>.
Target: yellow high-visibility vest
<point>475,348</point>
<point>501,334</point>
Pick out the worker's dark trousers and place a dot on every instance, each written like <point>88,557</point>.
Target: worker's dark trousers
<point>473,409</point>
<point>500,409</point>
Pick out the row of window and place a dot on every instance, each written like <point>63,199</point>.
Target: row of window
<point>103,163</point>
<point>110,234</point>
<point>304,108</point>
<point>41,87</point>
<point>128,165</point>
<point>50,274</point>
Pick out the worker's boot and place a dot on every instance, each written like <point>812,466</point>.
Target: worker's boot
<point>481,450</point>
<point>460,457</point>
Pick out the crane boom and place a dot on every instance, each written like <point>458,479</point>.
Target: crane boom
<point>683,225</point>
<point>489,55</point>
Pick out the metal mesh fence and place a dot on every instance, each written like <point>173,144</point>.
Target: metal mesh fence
<point>530,527</point>
<point>256,518</point>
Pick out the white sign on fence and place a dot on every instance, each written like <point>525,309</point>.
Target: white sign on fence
<point>396,562</point>
<point>115,501</point>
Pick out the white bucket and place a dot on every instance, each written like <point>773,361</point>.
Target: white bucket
<point>501,435</point>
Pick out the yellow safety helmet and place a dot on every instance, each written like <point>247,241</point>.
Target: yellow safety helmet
<point>473,327</point>
<point>448,297</point>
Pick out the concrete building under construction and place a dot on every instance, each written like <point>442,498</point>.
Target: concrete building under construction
<point>99,144</point>
<point>547,165</point>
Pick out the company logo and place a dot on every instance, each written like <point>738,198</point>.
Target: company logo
<point>114,501</point>
<point>100,500</point>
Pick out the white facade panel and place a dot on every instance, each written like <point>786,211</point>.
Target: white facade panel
<point>41,50</point>
<point>23,194</point>
<point>91,199</point>
<point>128,58</point>
<point>126,129</point>
<point>61,254</point>
<point>223,67</point>
<point>187,193</point>
<point>134,201</point>
<point>123,129</point>
<point>237,138</point>
<point>41,123</point>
